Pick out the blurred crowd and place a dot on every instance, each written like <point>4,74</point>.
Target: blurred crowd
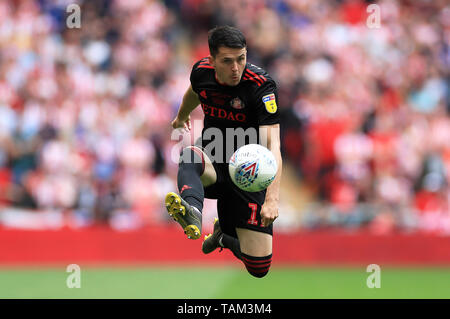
<point>85,112</point>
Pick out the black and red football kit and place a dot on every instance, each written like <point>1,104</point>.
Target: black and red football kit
<point>233,107</point>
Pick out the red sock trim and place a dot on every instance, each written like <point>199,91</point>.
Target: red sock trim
<point>257,265</point>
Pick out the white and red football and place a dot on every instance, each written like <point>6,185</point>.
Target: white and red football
<point>252,167</point>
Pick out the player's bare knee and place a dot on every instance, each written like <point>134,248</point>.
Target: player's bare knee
<point>254,243</point>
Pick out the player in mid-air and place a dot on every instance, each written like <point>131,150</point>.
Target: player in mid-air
<point>239,96</point>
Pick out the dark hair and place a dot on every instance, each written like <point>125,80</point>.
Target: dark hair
<point>226,36</point>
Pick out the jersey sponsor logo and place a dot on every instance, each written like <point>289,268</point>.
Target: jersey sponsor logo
<point>220,95</point>
<point>223,114</point>
<point>218,101</point>
<point>270,103</point>
<point>237,103</point>
<point>216,98</point>
<point>219,98</point>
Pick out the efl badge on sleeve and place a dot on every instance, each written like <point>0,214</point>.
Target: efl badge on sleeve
<point>270,103</point>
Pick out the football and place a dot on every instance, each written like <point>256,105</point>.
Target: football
<point>252,167</point>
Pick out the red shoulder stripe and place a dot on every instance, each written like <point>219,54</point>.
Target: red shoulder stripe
<point>205,67</point>
<point>262,79</point>
<point>204,61</point>
<point>255,79</point>
<point>252,79</point>
<point>247,77</point>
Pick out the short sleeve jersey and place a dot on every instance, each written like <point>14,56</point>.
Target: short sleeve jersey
<point>233,114</point>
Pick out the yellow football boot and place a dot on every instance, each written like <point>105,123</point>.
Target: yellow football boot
<point>184,214</point>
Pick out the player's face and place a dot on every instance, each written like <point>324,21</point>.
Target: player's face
<point>229,64</point>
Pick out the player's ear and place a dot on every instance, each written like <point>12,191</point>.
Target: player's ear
<point>211,60</point>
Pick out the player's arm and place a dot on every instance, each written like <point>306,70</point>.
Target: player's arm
<point>189,103</point>
<point>269,211</point>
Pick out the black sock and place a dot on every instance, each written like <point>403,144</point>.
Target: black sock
<point>257,266</point>
<point>232,243</point>
<point>190,169</point>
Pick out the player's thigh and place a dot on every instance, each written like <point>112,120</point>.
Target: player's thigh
<point>254,243</point>
<point>209,175</point>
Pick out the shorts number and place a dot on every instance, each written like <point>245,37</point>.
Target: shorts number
<point>254,208</point>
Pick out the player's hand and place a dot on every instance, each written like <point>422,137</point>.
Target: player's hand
<point>269,212</point>
<point>177,123</point>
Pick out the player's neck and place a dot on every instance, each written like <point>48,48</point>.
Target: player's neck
<point>218,81</point>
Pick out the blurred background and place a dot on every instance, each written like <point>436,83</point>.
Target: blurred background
<point>85,136</point>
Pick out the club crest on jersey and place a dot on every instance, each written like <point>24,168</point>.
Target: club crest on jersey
<point>237,103</point>
<point>270,103</point>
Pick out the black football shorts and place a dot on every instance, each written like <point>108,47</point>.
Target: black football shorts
<point>236,208</point>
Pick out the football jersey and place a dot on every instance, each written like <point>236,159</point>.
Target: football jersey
<point>233,114</point>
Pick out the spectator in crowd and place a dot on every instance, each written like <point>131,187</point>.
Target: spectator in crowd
<point>84,113</point>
